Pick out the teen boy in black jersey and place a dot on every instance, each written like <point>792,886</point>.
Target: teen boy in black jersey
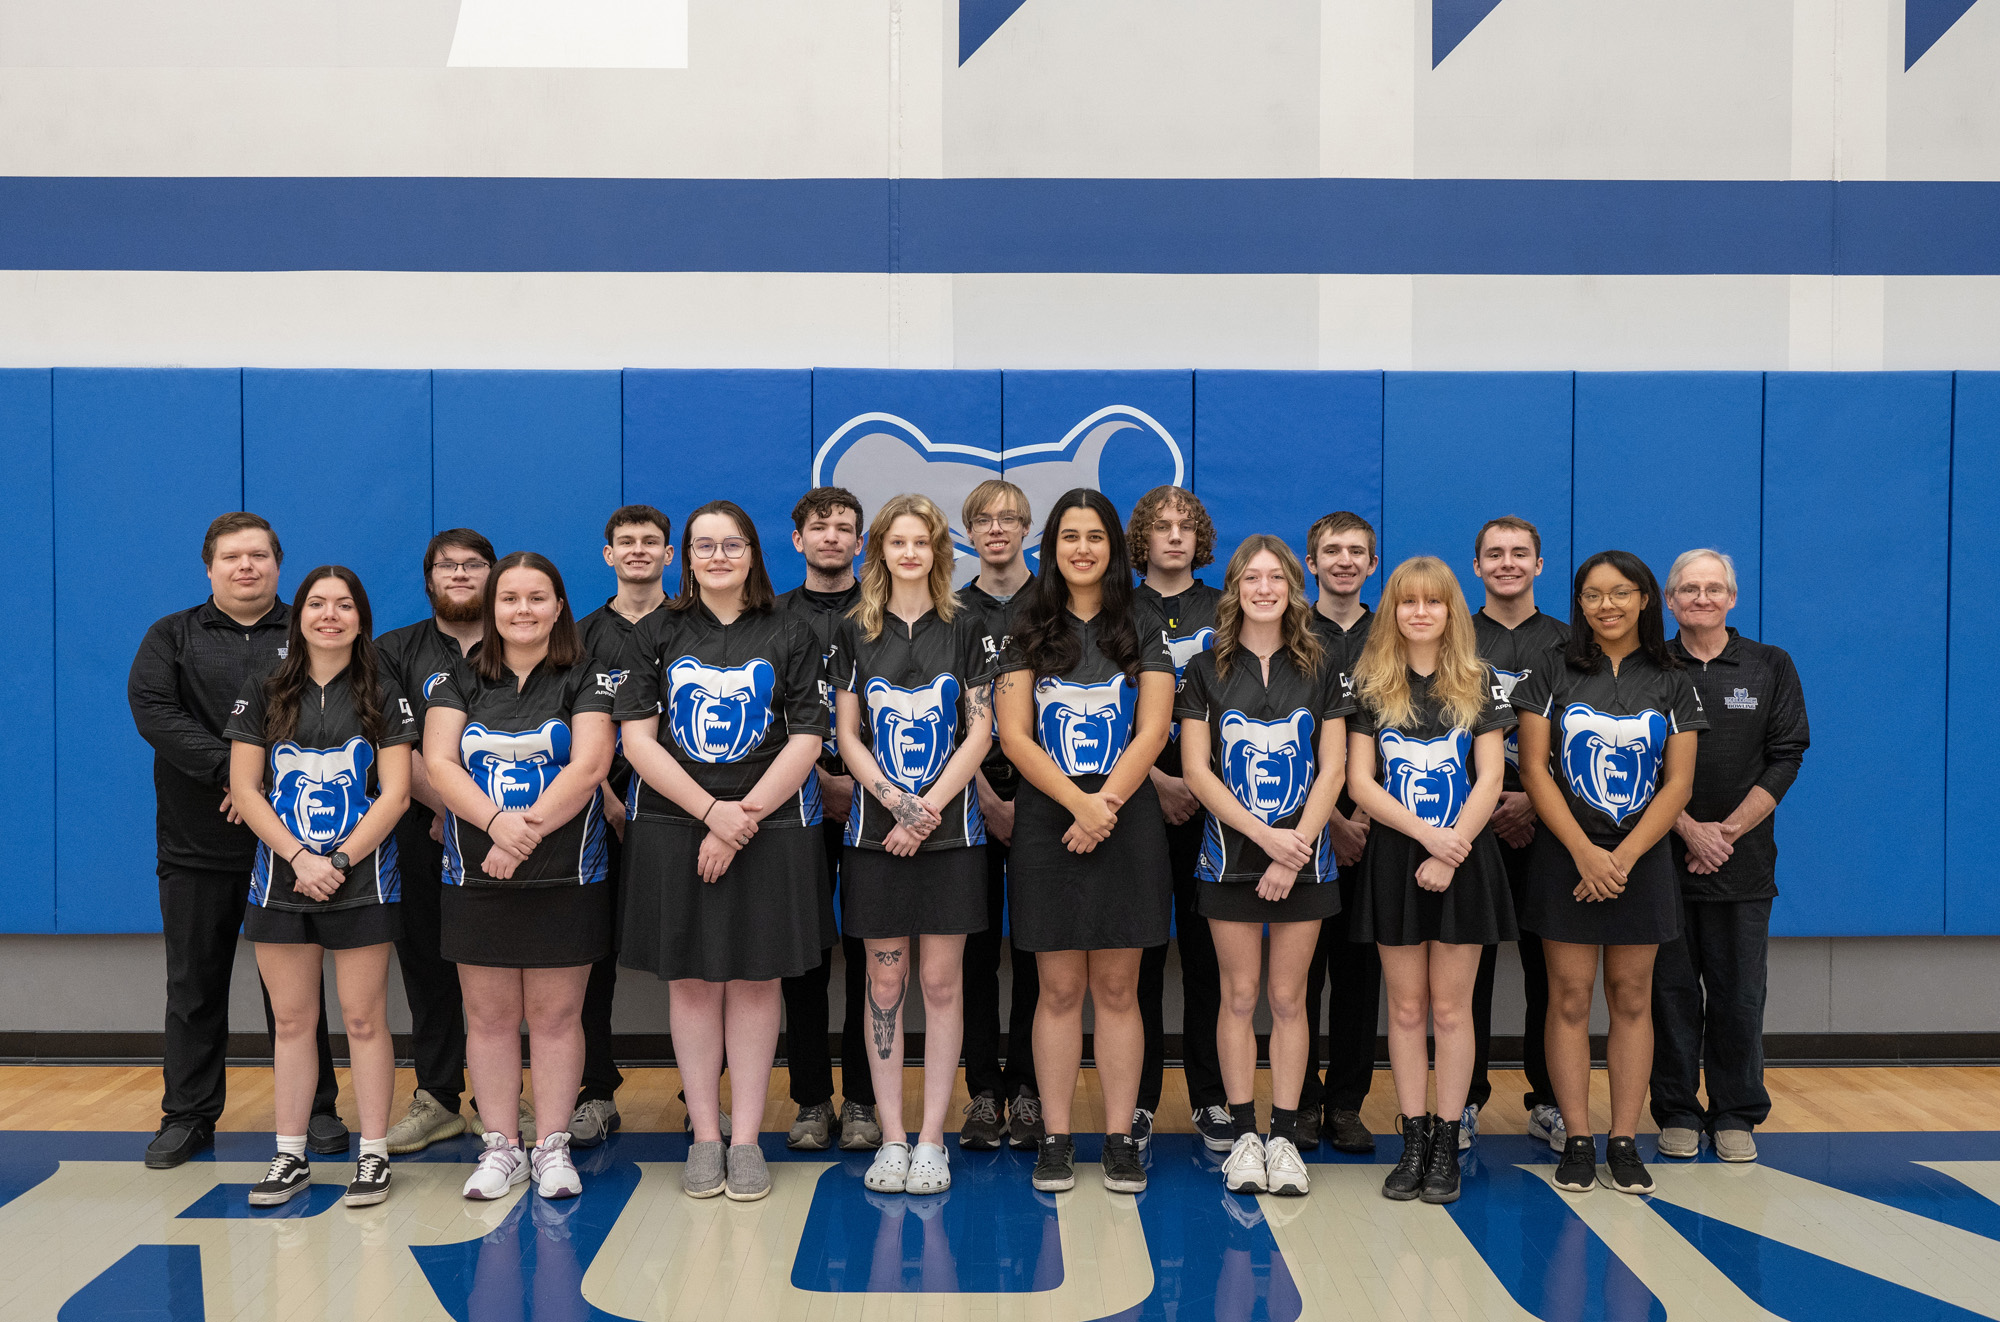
<point>1513,638</point>
<point>417,656</point>
<point>1171,533</point>
<point>185,680</point>
<point>826,530</point>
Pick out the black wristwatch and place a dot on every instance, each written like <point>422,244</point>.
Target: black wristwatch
<point>340,861</point>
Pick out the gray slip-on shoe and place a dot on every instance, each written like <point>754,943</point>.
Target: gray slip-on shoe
<point>1678,1141</point>
<point>749,1177</point>
<point>1735,1145</point>
<point>702,1176</point>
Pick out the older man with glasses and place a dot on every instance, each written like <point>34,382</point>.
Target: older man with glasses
<point>1708,984</point>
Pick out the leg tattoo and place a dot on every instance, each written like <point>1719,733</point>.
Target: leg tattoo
<point>882,1019</point>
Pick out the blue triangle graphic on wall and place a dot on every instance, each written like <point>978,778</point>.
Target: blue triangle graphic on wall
<point>1924,21</point>
<point>980,19</point>
<point>1452,21</point>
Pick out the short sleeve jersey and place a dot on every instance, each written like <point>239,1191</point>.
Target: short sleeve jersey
<point>322,781</point>
<point>1513,653</point>
<point>912,681</point>
<point>822,612</point>
<point>418,657</point>
<point>1265,742</point>
<point>1083,720</point>
<point>996,621</point>
<point>1188,620</point>
<point>1427,765</point>
<point>515,743</point>
<point>1343,649</point>
<point>605,632</point>
<point>728,697</point>
<point>1608,734</point>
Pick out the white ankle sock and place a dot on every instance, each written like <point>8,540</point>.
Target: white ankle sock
<point>375,1147</point>
<point>292,1144</point>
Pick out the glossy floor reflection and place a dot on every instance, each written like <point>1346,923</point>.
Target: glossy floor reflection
<point>1881,1227</point>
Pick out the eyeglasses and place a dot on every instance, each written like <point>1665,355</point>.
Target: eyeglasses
<point>1005,522</point>
<point>732,548</point>
<point>1168,527</point>
<point>1695,592</point>
<point>1617,596</point>
<point>453,567</point>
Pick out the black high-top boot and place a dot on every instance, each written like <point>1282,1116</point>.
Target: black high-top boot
<point>1403,1182</point>
<point>1441,1172</point>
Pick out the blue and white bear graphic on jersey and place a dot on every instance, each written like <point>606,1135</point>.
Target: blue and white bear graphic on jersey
<point>1085,727</point>
<point>720,714</point>
<point>1612,762</point>
<point>321,794</point>
<point>512,768</point>
<point>1184,650</point>
<point>1267,764</point>
<point>1503,691</point>
<point>913,729</point>
<point>1428,776</point>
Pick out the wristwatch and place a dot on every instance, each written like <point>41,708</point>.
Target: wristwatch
<point>340,861</point>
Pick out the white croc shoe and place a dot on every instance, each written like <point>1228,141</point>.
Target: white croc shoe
<point>930,1170</point>
<point>890,1172</point>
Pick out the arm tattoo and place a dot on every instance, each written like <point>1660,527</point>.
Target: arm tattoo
<point>977,706</point>
<point>907,809</point>
<point>882,1019</point>
<point>1004,684</point>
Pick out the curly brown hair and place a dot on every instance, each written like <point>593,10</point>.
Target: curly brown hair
<point>1139,529</point>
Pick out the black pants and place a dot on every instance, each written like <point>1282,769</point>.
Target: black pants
<point>1708,1016</point>
<point>600,1072</point>
<point>1343,993</point>
<point>983,1070</point>
<point>1535,986</point>
<point>201,915</point>
<point>430,981</point>
<point>808,1017</point>
<point>1201,986</point>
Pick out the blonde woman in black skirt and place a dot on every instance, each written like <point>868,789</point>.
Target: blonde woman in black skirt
<point>516,742</point>
<point>913,703</point>
<point>1426,758</point>
<point>724,865</point>
<point>1084,701</point>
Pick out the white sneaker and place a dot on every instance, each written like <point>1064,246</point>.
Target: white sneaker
<point>501,1167</point>
<point>1546,1123</point>
<point>1285,1169</point>
<point>890,1171</point>
<point>1243,1168</point>
<point>555,1173</point>
<point>929,1170</point>
<point>1468,1126</point>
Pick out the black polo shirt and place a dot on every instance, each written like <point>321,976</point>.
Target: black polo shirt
<point>1427,765</point>
<point>1343,648</point>
<point>996,620</point>
<point>1083,719</point>
<point>418,657</point>
<point>1188,620</point>
<point>1513,653</point>
<point>605,634</point>
<point>822,612</point>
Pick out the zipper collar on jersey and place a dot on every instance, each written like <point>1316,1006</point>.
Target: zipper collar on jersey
<point>1731,653</point>
<point>213,616</point>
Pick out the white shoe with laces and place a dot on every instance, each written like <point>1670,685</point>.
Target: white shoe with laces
<point>555,1173</point>
<point>890,1171</point>
<point>502,1166</point>
<point>1546,1123</point>
<point>1285,1169</point>
<point>1243,1169</point>
<point>930,1170</point>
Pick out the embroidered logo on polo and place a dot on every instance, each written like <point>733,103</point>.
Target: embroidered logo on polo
<point>913,729</point>
<point>1741,700</point>
<point>1612,762</point>
<point>1427,776</point>
<point>1084,727</point>
<point>1503,691</point>
<point>1267,764</point>
<point>321,794</point>
<point>512,768</point>
<point>719,714</point>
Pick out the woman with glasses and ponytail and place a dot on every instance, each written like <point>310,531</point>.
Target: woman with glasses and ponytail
<point>1609,723</point>
<point>320,769</point>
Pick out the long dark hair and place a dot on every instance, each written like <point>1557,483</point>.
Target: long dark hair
<point>565,643</point>
<point>1582,652</point>
<point>757,592</point>
<point>287,684</point>
<point>1042,630</point>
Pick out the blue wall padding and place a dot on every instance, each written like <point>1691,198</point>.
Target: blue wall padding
<point>1142,435</point>
<point>1280,449</point>
<point>531,459</point>
<point>1665,462</point>
<point>322,450</point>
<point>1971,888</point>
<point>156,455</point>
<point>27,672</point>
<point>690,436</point>
<point>1854,461</point>
<point>1459,448</point>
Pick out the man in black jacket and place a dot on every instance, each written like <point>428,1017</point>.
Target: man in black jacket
<point>1708,985</point>
<point>190,669</point>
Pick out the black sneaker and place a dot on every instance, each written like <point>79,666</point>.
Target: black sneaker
<point>288,1177</point>
<point>1577,1171</point>
<point>1025,1130</point>
<point>1055,1163</point>
<point>1403,1182</point>
<point>176,1142</point>
<point>326,1135</point>
<point>1348,1133</point>
<point>1305,1136</point>
<point>1213,1124</point>
<point>983,1128</point>
<point>371,1182</point>
<point>1625,1172</point>
<point>1122,1171</point>
<point>1441,1173</point>
<point>1142,1128</point>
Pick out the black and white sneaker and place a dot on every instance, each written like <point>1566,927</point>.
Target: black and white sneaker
<point>1025,1127</point>
<point>288,1177</point>
<point>1622,1168</point>
<point>1577,1171</point>
<point>1122,1171</point>
<point>1142,1127</point>
<point>371,1182</point>
<point>1212,1123</point>
<point>1055,1163</point>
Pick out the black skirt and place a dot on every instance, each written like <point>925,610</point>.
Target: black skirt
<point>940,893</point>
<point>352,928</point>
<point>525,927</point>
<point>1119,896</point>
<point>769,916</point>
<point>1477,909</point>
<point>1646,913</point>
<point>1237,902</point>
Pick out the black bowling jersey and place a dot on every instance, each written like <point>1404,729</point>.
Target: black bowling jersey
<point>728,697</point>
<point>605,633</point>
<point>1427,766</point>
<point>1513,653</point>
<point>912,683</point>
<point>1188,620</point>
<point>996,623</point>
<point>418,657</point>
<point>1343,650</point>
<point>322,782</point>
<point>1608,734</point>
<point>1083,719</point>
<point>515,743</point>
<point>822,613</point>
<point>1265,742</point>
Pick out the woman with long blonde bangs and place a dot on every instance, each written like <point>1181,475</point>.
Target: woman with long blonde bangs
<point>1427,754</point>
<point>878,581</point>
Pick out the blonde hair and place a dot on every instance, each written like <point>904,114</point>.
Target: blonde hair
<point>876,581</point>
<point>1295,628</point>
<point>1382,675</point>
<point>996,489</point>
